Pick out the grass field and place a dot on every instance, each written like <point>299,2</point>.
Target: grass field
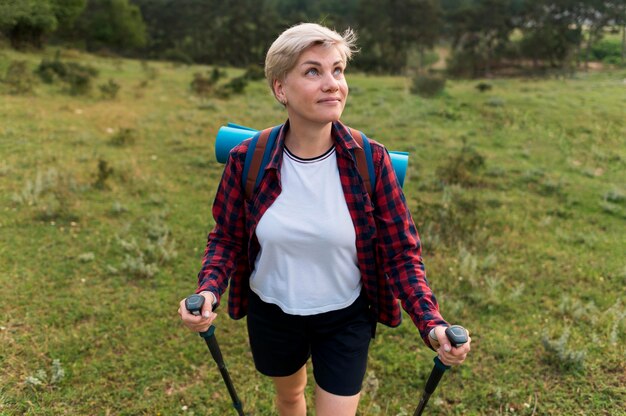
<point>518,192</point>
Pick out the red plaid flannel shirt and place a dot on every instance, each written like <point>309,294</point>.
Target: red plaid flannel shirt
<point>387,243</point>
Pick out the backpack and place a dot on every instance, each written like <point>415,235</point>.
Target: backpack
<point>263,142</point>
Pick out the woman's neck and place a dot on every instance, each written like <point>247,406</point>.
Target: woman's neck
<point>309,141</point>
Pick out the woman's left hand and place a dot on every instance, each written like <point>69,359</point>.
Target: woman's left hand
<point>448,354</point>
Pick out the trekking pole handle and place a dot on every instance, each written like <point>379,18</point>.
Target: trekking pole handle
<point>194,305</point>
<point>457,335</point>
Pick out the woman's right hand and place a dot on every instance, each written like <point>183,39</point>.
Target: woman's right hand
<point>198,323</point>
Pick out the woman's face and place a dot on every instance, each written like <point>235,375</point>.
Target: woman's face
<point>315,90</point>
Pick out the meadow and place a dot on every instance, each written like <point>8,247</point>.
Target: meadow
<point>519,194</point>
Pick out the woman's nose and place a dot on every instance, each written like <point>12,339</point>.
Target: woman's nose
<point>329,83</point>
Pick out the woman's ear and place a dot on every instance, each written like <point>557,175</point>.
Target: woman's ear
<point>279,92</point>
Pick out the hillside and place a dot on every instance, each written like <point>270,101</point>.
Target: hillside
<point>518,193</point>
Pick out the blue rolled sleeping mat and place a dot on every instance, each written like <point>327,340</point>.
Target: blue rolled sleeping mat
<point>231,135</point>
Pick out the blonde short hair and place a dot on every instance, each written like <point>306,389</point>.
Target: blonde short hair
<point>286,49</point>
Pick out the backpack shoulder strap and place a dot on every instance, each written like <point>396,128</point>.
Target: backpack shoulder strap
<point>257,157</point>
<point>364,160</point>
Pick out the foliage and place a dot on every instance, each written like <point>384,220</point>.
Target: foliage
<point>428,86</point>
<point>203,85</point>
<point>560,355</point>
<point>124,137</point>
<point>76,76</point>
<point>387,50</point>
<point>462,166</point>
<point>104,172</point>
<point>19,78</point>
<point>483,86</point>
<point>27,22</point>
<point>116,24</point>
<point>41,379</point>
<point>607,50</point>
<point>143,257</point>
<point>51,194</point>
<point>110,89</point>
<point>254,72</point>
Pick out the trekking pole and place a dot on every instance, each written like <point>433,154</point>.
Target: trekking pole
<point>457,336</point>
<point>194,305</point>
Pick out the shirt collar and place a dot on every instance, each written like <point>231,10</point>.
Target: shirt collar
<point>340,133</point>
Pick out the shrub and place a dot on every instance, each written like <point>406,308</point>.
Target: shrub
<point>103,174</point>
<point>51,193</point>
<point>18,78</point>
<point>110,89</point>
<point>560,355</point>
<point>254,73</point>
<point>236,85</point>
<point>78,77</point>
<point>606,48</point>
<point>452,220</point>
<point>143,259</point>
<point>428,85</point>
<point>124,137</point>
<point>483,86</point>
<point>203,85</point>
<point>49,71</point>
<point>462,167</point>
<point>41,378</point>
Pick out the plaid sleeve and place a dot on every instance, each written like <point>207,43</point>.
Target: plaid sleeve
<point>226,242</point>
<point>399,248</point>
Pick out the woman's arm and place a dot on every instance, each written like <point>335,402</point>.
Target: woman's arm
<point>399,249</point>
<point>226,242</point>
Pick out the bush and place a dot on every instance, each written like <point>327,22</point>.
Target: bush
<point>254,73</point>
<point>142,259</point>
<point>104,172</point>
<point>455,219</point>
<point>124,137</point>
<point>559,354</point>
<point>18,78</point>
<point>203,85</point>
<point>428,85</point>
<point>110,89</point>
<point>51,194</point>
<point>237,85</point>
<point>483,86</point>
<point>77,76</point>
<point>606,49</point>
<point>462,167</point>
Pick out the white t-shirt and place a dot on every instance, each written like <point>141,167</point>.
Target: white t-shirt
<point>308,262</point>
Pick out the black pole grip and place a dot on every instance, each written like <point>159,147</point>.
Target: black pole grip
<point>194,305</point>
<point>457,335</point>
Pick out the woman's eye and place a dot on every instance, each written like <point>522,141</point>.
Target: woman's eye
<point>312,71</point>
<point>338,71</point>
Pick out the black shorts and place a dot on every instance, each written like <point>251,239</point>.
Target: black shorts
<point>337,341</point>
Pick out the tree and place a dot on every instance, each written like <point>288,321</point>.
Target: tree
<point>115,24</point>
<point>480,32</point>
<point>389,29</point>
<point>27,22</point>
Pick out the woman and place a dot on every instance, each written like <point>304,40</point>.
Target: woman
<point>311,259</point>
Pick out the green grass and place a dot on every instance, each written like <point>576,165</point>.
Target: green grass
<point>526,248</point>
